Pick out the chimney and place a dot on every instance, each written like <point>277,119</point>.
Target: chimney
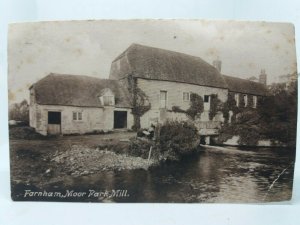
<point>217,64</point>
<point>263,77</point>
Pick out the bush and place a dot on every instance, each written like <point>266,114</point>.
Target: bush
<point>177,138</point>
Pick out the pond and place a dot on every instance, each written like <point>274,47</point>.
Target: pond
<point>216,174</point>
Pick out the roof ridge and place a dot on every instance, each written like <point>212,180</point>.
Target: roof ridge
<point>241,79</point>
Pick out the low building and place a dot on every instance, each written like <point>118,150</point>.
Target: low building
<point>68,104</point>
<point>245,93</point>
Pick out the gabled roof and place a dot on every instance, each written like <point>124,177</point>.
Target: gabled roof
<point>245,86</point>
<point>159,64</point>
<point>77,90</point>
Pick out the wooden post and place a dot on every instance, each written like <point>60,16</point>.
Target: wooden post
<point>149,156</point>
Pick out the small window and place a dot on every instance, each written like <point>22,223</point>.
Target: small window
<point>206,98</point>
<point>108,100</point>
<point>254,101</point>
<point>237,99</point>
<point>77,115</point>
<point>186,96</point>
<point>74,115</point>
<point>246,100</point>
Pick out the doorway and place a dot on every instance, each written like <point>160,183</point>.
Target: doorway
<point>120,119</point>
<point>54,123</point>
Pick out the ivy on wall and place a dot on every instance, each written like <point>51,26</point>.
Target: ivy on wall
<point>215,106</point>
<point>139,101</point>
<point>196,106</point>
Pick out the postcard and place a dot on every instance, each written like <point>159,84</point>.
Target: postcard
<point>152,111</point>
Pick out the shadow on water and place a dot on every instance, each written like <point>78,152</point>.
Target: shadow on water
<point>213,175</point>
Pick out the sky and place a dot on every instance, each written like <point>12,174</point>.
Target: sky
<point>88,47</point>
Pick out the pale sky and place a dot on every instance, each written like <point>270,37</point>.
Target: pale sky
<point>89,47</point>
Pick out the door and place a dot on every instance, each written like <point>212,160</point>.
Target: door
<point>120,119</point>
<point>54,123</point>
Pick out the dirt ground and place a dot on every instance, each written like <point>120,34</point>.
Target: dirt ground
<point>32,161</point>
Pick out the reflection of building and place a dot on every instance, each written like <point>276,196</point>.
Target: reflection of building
<point>80,104</point>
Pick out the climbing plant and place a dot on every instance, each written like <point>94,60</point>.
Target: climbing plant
<point>139,101</point>
<point>196,106</point>
<point>230,105</point>
<point>215,106</point>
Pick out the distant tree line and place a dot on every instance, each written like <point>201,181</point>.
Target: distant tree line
<point>19,111</point>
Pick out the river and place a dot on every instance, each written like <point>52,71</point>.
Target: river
<point>216,174</point>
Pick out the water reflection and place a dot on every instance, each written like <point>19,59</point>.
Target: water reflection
<point>214,175</point>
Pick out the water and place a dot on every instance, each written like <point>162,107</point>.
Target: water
<point>213,175</point>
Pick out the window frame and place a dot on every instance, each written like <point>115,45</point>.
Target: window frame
<point>208,97</point>
<point>77,116</point>
<point>188,95</point>
<point>254,101</point>
<point>110,101</point>
<point>237,99</point>
<point>245,96</point>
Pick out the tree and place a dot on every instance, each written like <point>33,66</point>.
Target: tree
<point>19,111</point>
<point>275,118</point>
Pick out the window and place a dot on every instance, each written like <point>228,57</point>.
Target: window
<point>77,115</point>
<point>163,99</point>
<point>237,99</point>
<point>206,98</point>
<point>254,101</point>
<point>245,100</point>
<point>108,100</point>
<point>186,96</point>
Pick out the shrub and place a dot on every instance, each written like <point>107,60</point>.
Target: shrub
<point>177,109</point>
<point>177,138</point>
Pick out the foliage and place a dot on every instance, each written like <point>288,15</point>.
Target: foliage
<point>196,106</point>
<point>139,148</point>
<point>279,112</point>
<point>176,139</point>
<point>215,106</point>
<point>140,103</point>
<point>274,118</point>
<point>19,111</point>
<point>177,109</point>
<point>230,105</point>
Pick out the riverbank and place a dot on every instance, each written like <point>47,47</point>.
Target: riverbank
<point>41,161</point>
<point>81,160</point>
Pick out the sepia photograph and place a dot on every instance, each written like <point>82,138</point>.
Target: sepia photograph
<point>152,111</point>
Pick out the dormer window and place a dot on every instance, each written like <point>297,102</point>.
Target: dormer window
<point>108,100</point>
<point>107,97</point>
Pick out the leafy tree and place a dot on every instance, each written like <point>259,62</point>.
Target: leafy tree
<point>19,111</point>
<point>274,118</point>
